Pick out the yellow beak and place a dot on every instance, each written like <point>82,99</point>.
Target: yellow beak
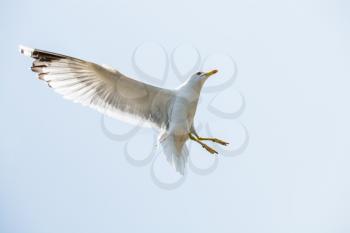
<point>210,73</point>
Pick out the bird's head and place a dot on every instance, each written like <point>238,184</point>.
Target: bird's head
<point>201,77</point>
<point>196,81</point>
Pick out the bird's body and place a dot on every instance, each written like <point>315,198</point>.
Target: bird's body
<point>112,93</point>
<point>182,113</point>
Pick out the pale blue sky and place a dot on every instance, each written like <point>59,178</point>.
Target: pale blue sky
<point>60,173</point>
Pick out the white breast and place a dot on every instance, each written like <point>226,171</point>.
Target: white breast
<point>184,109</point>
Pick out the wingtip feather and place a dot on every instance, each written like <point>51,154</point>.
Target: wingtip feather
<point>26,51</point>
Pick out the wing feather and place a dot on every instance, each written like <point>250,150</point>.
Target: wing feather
<point>102,88</point>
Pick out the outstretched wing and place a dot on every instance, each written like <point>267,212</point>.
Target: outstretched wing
<point>102,88</point>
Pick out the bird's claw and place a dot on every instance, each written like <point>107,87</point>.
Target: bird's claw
<point>209,149</point>
<point>220,141</point>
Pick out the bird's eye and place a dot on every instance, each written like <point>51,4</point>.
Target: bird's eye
<point>198,73</point>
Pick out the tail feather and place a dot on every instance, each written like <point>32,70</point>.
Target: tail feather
<point>177,158</point>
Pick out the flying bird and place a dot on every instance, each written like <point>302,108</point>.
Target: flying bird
<point>170,111</point>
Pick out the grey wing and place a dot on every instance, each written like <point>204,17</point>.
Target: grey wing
<point>102,88</point>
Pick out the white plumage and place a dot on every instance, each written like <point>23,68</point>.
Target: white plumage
<point>112,93</point>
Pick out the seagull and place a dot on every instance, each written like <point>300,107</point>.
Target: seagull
<point>170,111</point>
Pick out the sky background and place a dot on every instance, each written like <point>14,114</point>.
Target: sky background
<point>60,173</point>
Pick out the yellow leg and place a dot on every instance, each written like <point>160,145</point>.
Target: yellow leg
<point>214,140</point>
<point>208,148</point>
